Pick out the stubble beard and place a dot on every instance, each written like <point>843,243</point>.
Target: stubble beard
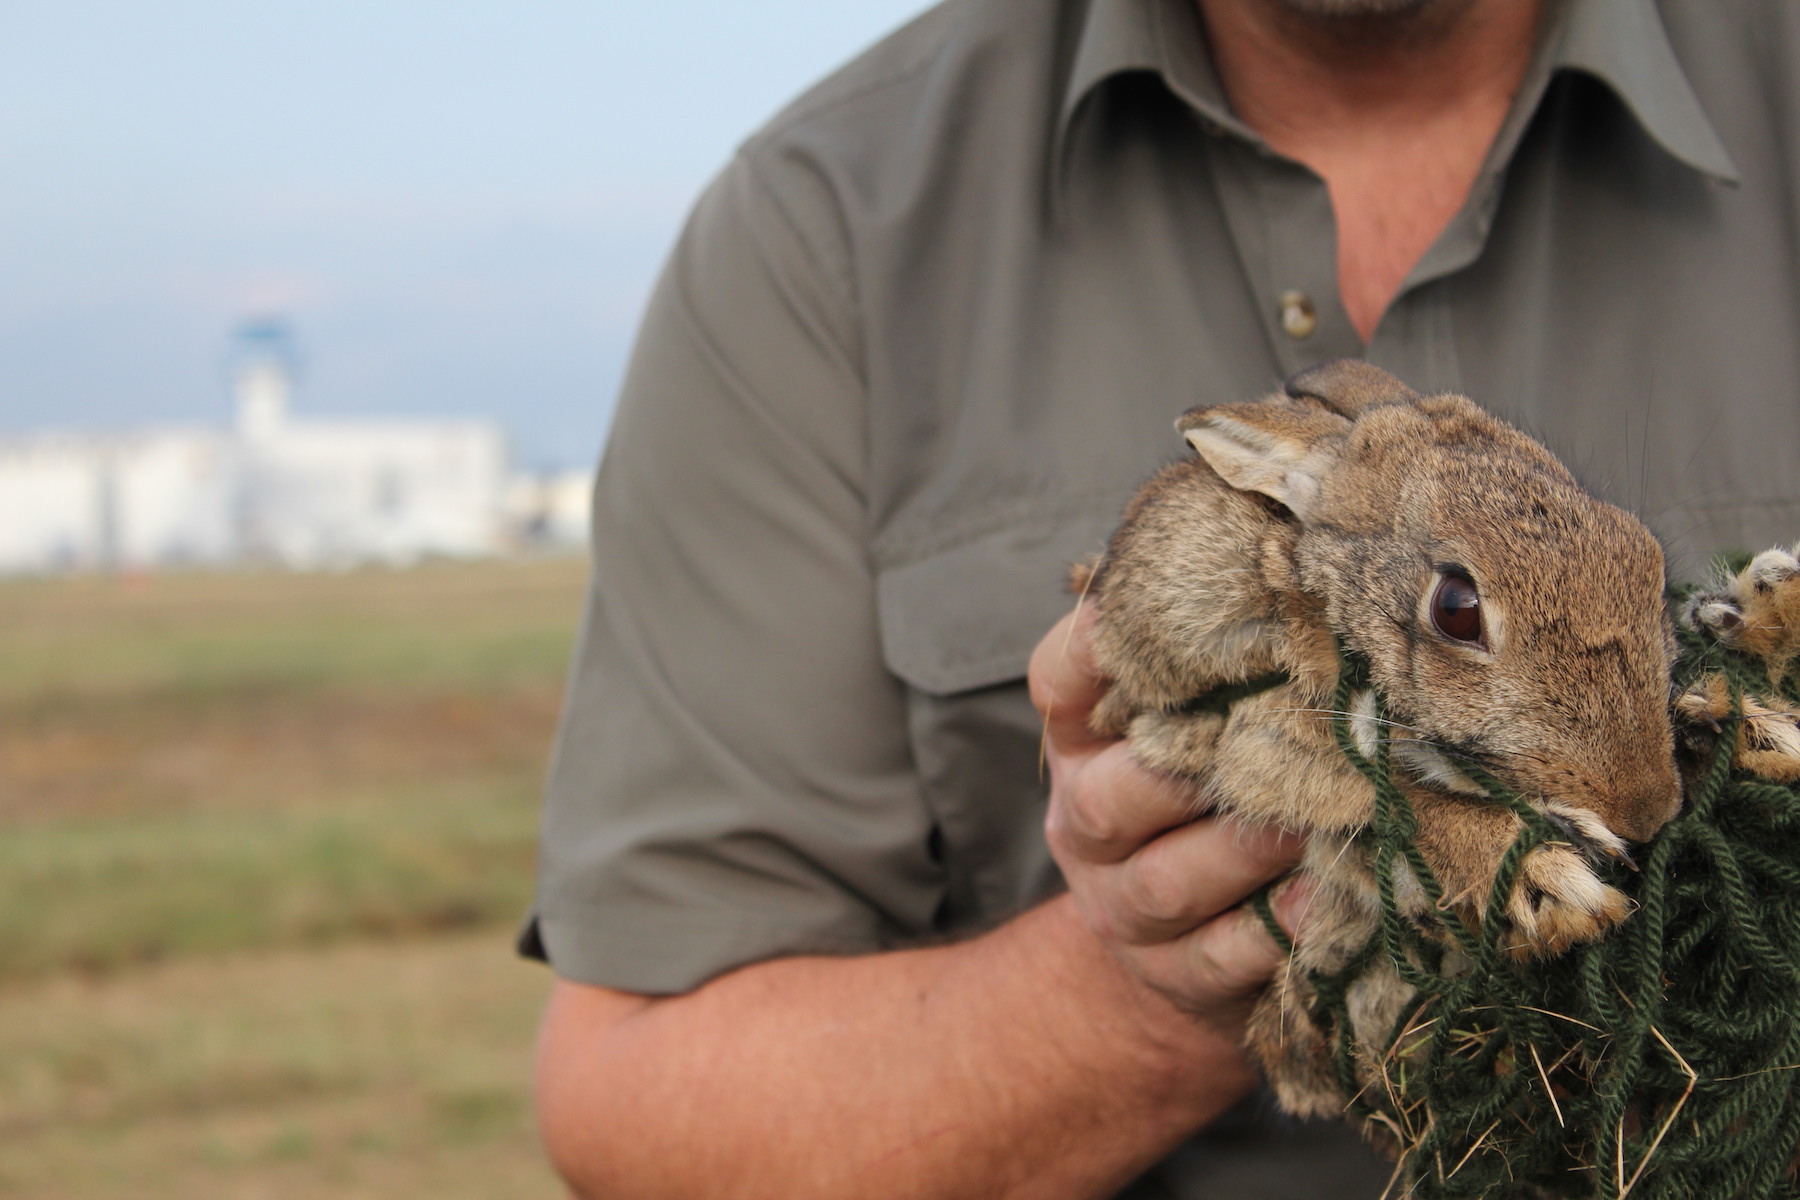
<point>1372,23</point>
<point>1361,9</point>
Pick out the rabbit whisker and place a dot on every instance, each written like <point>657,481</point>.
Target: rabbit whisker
<point>1333,713</point>
<point>1446,749</point>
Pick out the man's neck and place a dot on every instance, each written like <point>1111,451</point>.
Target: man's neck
<point>1395,111</point>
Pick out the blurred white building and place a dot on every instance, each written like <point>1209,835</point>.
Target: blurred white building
<point>81,501</point>
<point>275,488</point>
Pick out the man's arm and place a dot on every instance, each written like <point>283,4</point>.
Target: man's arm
<point>1056,1056</point>
<point>734,784</point>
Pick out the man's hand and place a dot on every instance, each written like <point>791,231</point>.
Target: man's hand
<point>1157,879</point>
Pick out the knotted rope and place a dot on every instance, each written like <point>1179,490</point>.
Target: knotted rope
<point>1661,1062</point>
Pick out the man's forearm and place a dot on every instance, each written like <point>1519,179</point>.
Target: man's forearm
<point>1025,1063</point>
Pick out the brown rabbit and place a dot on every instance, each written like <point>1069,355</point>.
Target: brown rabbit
<point>1509,620</point>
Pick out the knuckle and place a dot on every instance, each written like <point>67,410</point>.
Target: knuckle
<point>1101,831</point>
<point>1155,889</point>
<point>1223,966</point>
<point>1086,817</point>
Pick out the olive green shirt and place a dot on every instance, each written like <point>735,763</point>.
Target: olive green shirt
<point>927,332</point>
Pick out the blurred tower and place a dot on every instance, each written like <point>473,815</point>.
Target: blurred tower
<point>261,364</point>
<point>262,377</point>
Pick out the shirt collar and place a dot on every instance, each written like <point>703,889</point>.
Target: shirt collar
<point>1622,43</point>
<point>1161,37</point>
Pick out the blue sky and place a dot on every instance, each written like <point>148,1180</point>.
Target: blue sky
<point>459,206</point>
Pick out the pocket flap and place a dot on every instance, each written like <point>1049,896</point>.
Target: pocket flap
<point>969,617</point>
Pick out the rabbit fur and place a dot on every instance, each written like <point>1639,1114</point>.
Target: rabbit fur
<point>1333,510</point>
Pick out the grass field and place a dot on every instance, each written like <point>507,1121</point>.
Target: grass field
<point>263,839</point>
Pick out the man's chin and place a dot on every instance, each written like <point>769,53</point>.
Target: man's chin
<point>1364,10</point>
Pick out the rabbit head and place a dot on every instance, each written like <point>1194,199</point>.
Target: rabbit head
<point>1510,619</point>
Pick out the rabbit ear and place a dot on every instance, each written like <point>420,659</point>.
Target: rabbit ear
<point>1349,386</point>
<point>1279,450</point>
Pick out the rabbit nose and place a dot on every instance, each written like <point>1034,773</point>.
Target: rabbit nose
<point>1644,802</point>
<point>1642,819</point>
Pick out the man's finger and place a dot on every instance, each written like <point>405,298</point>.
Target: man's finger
<point>1110,805</point>
<point>1229,959</point>
<point>1191,875</point>
<point>1216,970</point>
<point>1293,905</point>
<point>1065,685</point>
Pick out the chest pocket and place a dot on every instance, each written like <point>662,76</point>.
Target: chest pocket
<point>958,626</point>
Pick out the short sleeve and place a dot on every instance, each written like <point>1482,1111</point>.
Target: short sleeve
<point>732,779</point>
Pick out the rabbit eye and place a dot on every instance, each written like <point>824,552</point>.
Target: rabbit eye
<point>1456,609</point>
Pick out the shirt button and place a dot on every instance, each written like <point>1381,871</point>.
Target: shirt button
<point>1298,317</point>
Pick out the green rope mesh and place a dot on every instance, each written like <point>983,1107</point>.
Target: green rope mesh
<point>1660,1062</point>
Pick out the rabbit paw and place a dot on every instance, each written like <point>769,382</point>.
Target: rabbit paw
<point>1559,901</point>
<point>1756,611</point>
<point>1768,730</point>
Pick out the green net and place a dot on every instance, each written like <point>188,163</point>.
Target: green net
<point>1660,1062</point>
